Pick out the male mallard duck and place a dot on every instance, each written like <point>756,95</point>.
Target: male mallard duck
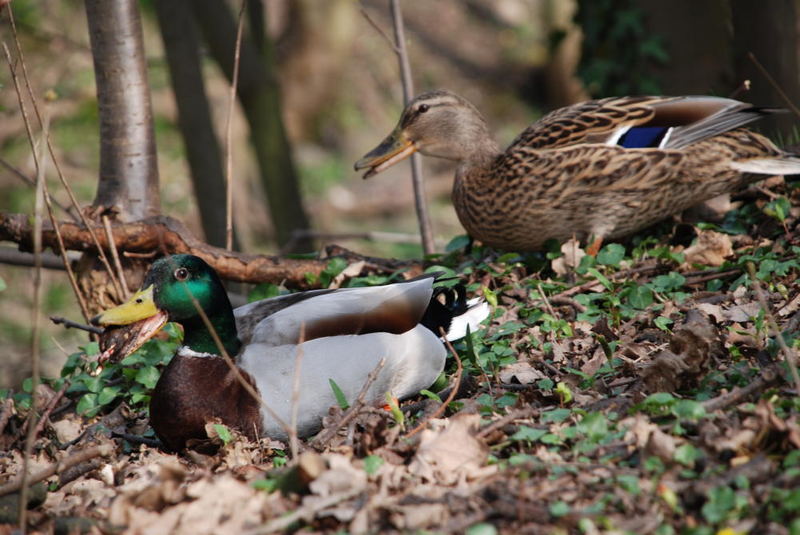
<point>342,335</point>
<point>602,169</point>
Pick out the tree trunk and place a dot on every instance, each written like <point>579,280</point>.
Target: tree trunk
<point>128,164</point>
<point>259,94</point>
<point>181,45</point>
<point>128,185</point>
<point>769,30</point>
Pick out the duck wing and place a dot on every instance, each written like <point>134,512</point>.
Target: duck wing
<point>638,122</point>
<point>393,308</point>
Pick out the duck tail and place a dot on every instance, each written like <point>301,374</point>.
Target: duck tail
<point>449,310</point>
<point>781,165</point>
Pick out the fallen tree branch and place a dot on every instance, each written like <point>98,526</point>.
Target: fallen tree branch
<point>768,377</point>
<point>103,450</point>
<point>166,235</point>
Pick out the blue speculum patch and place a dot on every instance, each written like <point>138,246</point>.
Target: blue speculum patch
<point>642,137</point>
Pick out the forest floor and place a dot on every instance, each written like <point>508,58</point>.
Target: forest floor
<point>642,391</point>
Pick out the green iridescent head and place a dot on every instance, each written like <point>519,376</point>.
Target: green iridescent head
<point>179,286</point>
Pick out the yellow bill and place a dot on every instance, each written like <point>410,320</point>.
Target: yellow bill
<point>140,306</point>
<point>139,318</point>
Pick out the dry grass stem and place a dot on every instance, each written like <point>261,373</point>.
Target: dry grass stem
<point>752,57</point>
<point>295,406</point>
<point>25,178</point>
<point>38,208</point>
<point>229,134</point>
<point>456,382</point>
<point>789,354</point>
<point>61,177</point>
<point>115,256</point>
<point>428,245</point>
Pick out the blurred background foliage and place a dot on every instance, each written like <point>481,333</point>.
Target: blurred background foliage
<point>339,94</point>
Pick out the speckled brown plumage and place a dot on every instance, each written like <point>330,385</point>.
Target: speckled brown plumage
<point>566,176</point>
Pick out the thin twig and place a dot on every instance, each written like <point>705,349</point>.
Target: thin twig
<point>306,512</point>
<point>115,256</point>
<point>49,409</point>
<point>428,244</point>
<point>766,378</point>
<point>517,414</point>
<point>366,15</point>
<point>64,257</point>
<point>61,177</point>
<point>228,134</point>
<point>44,124</point>
<point>298,366</point>
<point>743,88</point>
<point>102,450</point>
<point>32,182</point>
<point>322,439</point>
<point>789,356</point>
<point>773,83</point>
<point>69,324</point>
<point>37,305</point>
<point>456,382</point>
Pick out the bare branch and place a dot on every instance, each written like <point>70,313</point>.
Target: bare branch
<point>163,235</point>
<point>428,244</point>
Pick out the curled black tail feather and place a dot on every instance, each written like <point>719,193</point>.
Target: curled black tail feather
<point>439,315</point>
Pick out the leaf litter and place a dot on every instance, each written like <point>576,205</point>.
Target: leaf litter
<point>641,391</point>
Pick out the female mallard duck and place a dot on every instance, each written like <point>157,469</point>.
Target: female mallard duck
<point>601,169</point>
<point>342,335</point>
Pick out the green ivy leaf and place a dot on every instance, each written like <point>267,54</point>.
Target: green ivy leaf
<point>528,434</point>
<point>687,409</point>
<point>611,255</point>
<point>372,463</point>
<point>86,404</point>
<point>108,394</point>
<point>640,296</point>
<point>147,376</point>
<point>555,416</point>
<point>482,528</point>
<point>559,509</point>
<point>687,455</point>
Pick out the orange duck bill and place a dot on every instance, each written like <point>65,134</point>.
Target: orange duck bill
<point>129,325</point>
<point>396,147</point>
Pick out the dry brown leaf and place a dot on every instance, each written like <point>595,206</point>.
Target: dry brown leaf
<point>341,476</point>
<point>450,450</point>
<point>521,371</point>
<point>742,313</point>
<point>691,347</point>
<point>710,249</point>
<point>68,429</point>
<point>570,259</point>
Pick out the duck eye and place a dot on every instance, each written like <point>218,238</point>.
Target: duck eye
<point>423,108</point>
<point>181,274</point>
